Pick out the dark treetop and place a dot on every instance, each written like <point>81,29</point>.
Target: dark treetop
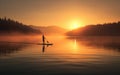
<point>8,26</point>
<point>107,29</point>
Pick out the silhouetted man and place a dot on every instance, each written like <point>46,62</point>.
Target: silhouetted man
<point>43,38</point>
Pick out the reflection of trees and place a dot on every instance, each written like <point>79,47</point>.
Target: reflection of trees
<point>112,43</point>
<point>9,48</point>
<point>108,45</point>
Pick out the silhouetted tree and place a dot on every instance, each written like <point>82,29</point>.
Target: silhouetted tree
<point>107,29</point>
<point>11,26</point>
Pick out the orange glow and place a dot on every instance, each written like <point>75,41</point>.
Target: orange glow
<point>75,24</point>
<point>63,13</point>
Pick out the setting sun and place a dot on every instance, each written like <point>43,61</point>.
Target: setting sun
<point>75,25</point>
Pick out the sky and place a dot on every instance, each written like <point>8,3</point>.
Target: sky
<point>63,13</point>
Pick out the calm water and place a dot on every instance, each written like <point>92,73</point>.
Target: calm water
<point>68,55</point>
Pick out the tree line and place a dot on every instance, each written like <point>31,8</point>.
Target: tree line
<point>106,29</point>
<point>8,25</point>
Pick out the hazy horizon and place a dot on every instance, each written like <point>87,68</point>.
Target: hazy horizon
<point>32,42</point>
<point>63,13</point>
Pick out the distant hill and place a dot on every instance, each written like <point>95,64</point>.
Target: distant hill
<point>51,30</point>
<point>8,26</point>
<point>107,29</point>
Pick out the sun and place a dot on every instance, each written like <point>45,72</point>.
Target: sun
<point>75,25</point>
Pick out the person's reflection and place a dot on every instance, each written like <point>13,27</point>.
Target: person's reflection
<point>44,46</point>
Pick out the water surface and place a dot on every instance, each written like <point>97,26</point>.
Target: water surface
<point>68,55</point>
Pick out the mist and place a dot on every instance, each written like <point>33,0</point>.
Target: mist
<point>20,38</point>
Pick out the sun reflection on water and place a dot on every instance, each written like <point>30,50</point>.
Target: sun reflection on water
<point>75,46</point>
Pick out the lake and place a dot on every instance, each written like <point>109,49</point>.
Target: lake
<point>68,56</point>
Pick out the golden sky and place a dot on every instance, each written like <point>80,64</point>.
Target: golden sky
<point>63,13</point>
